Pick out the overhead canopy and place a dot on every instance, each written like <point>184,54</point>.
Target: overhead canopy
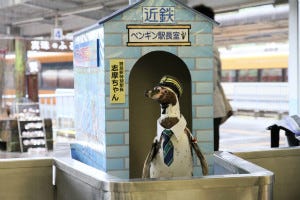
<point>32,18</point>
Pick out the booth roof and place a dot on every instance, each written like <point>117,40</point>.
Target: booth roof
<point>118,12</point>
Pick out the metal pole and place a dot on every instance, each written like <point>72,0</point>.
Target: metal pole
<point>2,71</point>
<point>293,68</point>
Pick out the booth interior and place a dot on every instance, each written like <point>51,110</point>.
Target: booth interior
<point>115,60</point>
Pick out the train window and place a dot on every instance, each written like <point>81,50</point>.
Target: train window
<point>272,75</point>
<point>48,79</point>
<point>228,76</point>
<point>65,78</point>
<point>248,75</point>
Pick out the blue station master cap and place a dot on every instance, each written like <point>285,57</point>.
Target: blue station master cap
<point>172,83</point>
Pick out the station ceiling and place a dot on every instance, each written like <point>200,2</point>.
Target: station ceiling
<point>37,18</point>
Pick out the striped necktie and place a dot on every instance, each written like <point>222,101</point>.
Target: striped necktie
<point>168,147</point>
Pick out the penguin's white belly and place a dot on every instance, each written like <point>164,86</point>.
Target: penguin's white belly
<point>182,165</point>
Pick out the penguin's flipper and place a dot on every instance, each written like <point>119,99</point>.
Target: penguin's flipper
<point>149,158</point>
<point>195,147</point>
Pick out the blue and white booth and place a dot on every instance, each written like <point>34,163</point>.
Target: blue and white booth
<point>118,58</point>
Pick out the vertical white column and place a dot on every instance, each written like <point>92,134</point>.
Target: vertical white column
<point>293,70</point>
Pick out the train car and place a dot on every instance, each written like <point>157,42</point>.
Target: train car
<point>56,71</point>
<point>255,68</point>
<point>257,83</point>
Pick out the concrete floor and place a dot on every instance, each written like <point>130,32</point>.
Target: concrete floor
<point>246,133</point>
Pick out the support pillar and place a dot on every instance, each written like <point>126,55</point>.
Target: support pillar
<point>293,68</point>
<point>20,67</point>
<point>32,87</point>
<point>2,70</point>
<point>133,1</point>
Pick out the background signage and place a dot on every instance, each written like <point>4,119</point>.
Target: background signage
<point>50,45</point>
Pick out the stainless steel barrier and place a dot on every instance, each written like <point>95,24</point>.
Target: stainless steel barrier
<point>234,178</point>
<point>25,178</point>
<point>285,163</point>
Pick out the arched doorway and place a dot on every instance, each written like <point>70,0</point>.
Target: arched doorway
<point>143,112</point>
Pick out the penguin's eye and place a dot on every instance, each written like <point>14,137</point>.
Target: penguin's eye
<point>165,90</point>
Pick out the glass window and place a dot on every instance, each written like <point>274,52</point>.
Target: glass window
<point>65,78</point>
<point>228,75</point>
<point>271,75</point>
<point>248,75</point>
<point>49,79</point>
